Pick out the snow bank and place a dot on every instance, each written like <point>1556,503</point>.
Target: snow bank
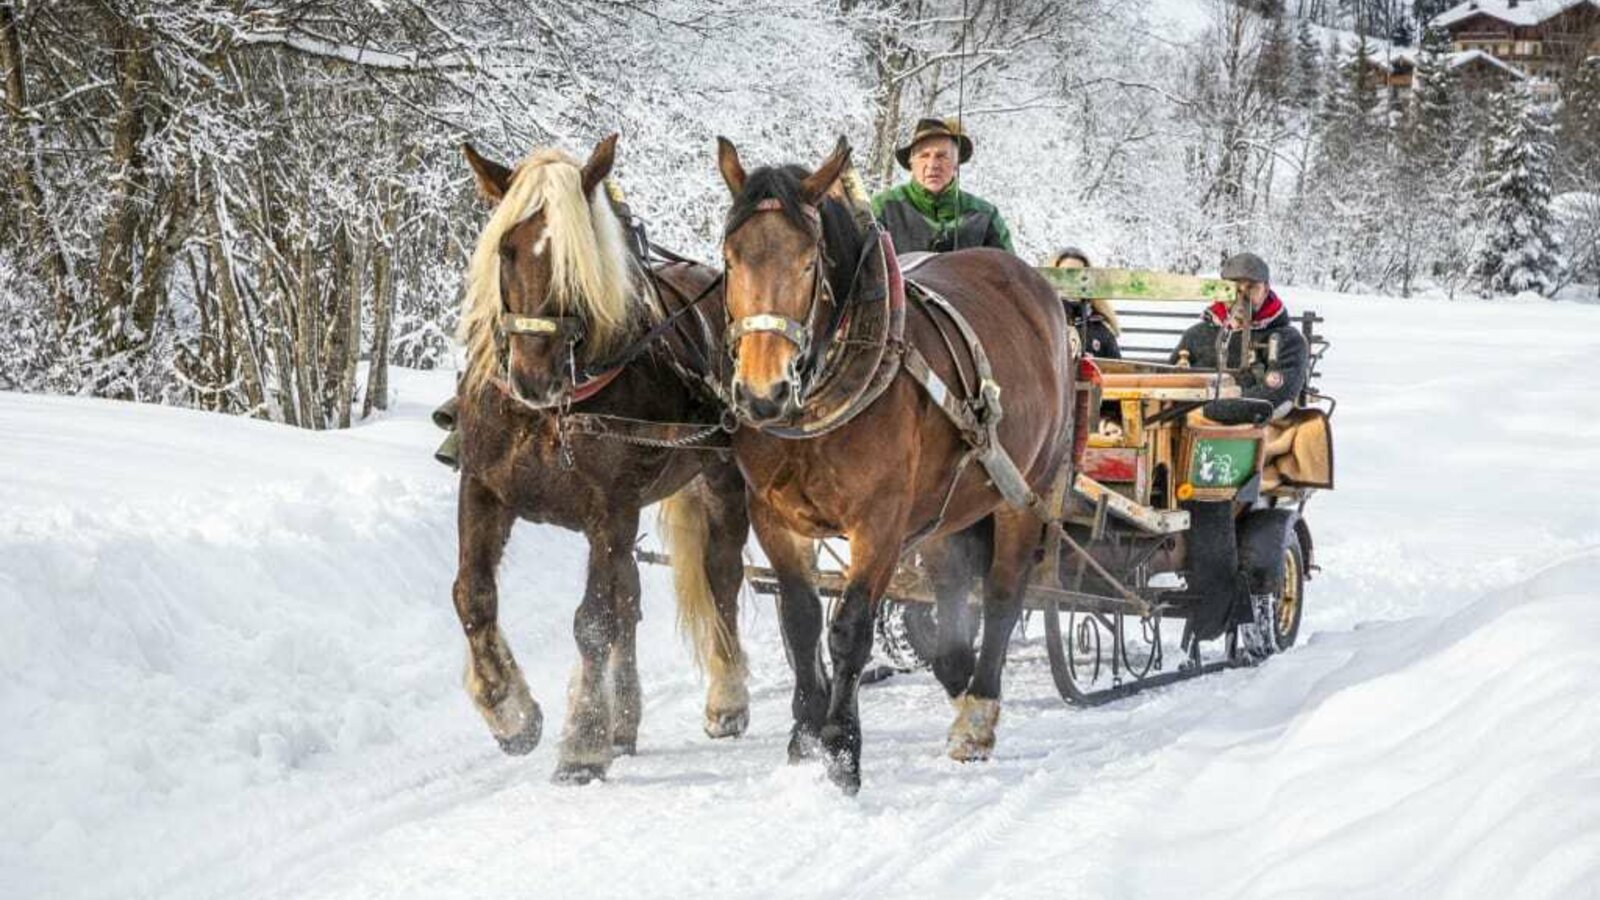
<point>1439,758</point>
<point>201,610</point>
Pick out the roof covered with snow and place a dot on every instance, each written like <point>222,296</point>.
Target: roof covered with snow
<point>1457,60</point>
<point>1390,57</point>
<point>1515,12</point>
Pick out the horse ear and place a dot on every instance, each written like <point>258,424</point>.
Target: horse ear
<point>818,182</point>
<point>728,162</point>
<point>599,164</point>
<point>493,179</point>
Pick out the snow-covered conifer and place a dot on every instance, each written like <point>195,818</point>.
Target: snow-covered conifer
<point>1520,251</point>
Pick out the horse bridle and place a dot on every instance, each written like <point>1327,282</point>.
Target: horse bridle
<point>570,329</point>
<point>585,383</point>
<point>801,370</point>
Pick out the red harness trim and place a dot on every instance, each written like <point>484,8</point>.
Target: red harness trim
<point>592,386</point>
<point>897,281</point>
<point>773,204</point>
<point>580,392</point>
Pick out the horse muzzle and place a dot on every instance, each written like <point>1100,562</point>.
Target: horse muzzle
<point>777,403</point>
<point>541,393</point>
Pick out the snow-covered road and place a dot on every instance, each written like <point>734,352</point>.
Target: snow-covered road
<point>229,668</point>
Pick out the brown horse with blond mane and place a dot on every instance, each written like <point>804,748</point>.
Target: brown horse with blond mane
<point>567,412</point>
<point>898,471</point>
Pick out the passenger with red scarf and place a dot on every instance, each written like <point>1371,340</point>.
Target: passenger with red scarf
<point>1276,367</point>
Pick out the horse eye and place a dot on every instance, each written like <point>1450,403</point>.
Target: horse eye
<point>508,252</point>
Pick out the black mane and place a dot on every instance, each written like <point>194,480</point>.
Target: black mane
<point>775,182</point>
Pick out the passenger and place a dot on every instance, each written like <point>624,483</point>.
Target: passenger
<point>1101,332</point>
<point>1278,362</point>
<point>931,212</point>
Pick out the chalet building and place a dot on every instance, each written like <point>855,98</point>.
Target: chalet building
<point>1542,38</point>
<point>1474,70</point>
<point>1395,69</point>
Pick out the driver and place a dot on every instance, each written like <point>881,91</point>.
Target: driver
<point>931,212</point>
<point>1278,362</point>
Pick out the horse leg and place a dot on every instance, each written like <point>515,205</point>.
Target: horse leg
<point>800,618</point>
<point>627,700</point>
<point>953,564</point>
<point>493,680</point>
<point>728,701</point>
<point>586,739</point>
<point>874,554</point>
<point>1016,535</point>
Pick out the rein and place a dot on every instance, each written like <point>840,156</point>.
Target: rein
<point>638,347</point>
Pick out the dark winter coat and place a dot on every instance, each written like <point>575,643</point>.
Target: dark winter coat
<point>949,220</point>
<point>1099,340</point>
<point>1279,361</point>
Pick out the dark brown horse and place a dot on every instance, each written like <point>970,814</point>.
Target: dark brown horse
<point>553,294</point>
<point>895,472</point>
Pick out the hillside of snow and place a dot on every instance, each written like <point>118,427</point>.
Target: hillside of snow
<point>230,669</point>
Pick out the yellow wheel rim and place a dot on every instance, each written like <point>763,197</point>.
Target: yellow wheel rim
<point>1289,599</point>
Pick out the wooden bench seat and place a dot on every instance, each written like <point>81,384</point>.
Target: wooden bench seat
<point>1130,380</point>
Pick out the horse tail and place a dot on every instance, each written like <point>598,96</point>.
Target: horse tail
<point>685,526</point>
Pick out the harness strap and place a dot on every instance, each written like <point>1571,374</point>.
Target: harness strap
<point>638,347</point>
<point>568,326</point>
<point>671,255</point>
<point>591,386</point>
<point>790,330</point>
<point>648,433</point>
<point>977,418</point>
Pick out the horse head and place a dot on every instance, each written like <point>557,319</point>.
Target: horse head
<point>550,281</point>
<point>784,273</point>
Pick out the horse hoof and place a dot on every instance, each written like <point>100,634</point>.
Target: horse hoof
<point>967,751</point>
<point>842,747</point>
<point>804,745</point>
<point>727,724</point>
<point>844,770</point>
<point>625,748</point>
<point>578,774</point>
<point>971,737</point>
<point>523,742</point>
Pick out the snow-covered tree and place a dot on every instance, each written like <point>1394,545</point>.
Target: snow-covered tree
<point>1578,129</point>
<point>1520,251</point>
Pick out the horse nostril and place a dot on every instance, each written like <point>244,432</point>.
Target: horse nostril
<point>767,406</point>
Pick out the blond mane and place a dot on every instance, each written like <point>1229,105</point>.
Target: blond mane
<point>591,272</point>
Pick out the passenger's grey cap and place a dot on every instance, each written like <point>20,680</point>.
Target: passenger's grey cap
<point>1246,267</point>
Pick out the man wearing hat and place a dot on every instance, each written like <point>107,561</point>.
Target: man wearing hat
<point>931,212</point>
<point>1277,364</point>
